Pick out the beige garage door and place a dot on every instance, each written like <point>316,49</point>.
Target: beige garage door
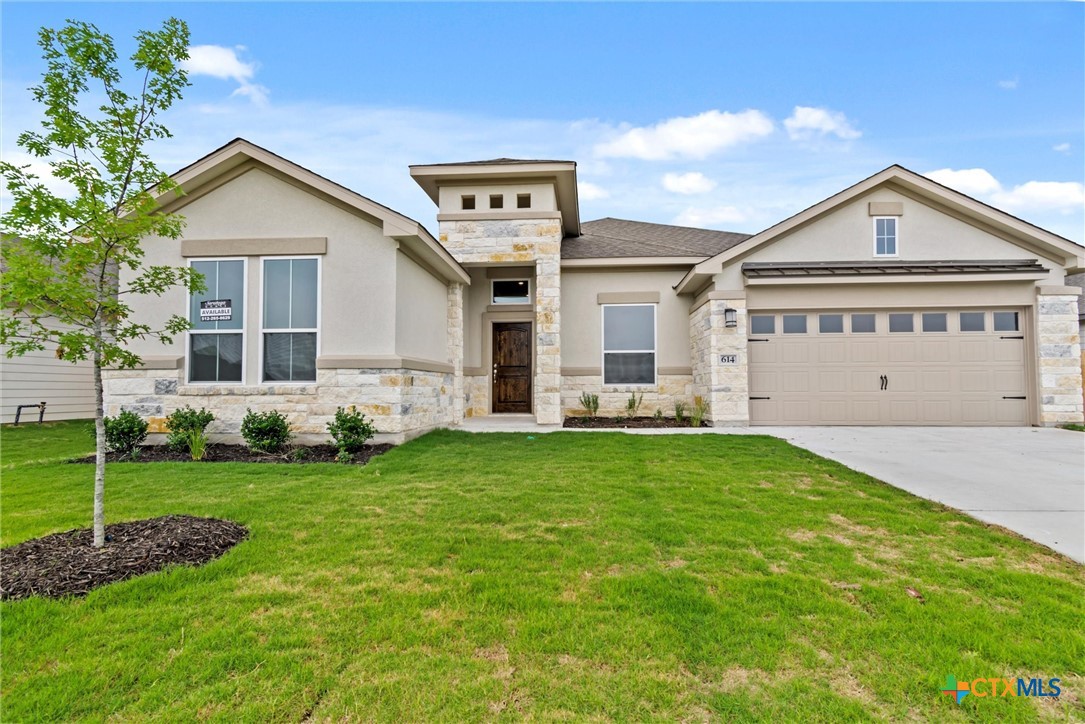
<point>879,367</point>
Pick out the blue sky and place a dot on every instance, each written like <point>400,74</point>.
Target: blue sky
<point>728,116</point>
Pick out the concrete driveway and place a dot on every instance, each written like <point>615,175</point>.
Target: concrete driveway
<point>1030,480</point>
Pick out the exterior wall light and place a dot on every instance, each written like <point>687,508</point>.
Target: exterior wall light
<point>730,318</point>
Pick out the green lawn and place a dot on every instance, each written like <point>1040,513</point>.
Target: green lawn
<point>565,576</point>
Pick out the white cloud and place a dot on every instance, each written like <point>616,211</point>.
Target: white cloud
<point>807,123</point>
<point>693,182</point>
<point>1062,197</point>
<point>1061,147</point>
<point>224,63</point>
<point>1009,83</point>
<point>970,181</point>
<point>709,217</point>
<point>588,191</point>
<point>696,137</point>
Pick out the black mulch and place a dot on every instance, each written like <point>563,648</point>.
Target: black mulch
<point>624,422</point>
<point>68,564</point>
<point>243,454</point>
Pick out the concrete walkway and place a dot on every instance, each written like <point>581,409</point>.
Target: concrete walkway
<point>1030,480</point>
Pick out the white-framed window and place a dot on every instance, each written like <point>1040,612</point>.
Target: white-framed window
<point>289,318</point>
<point>886,230</point>
<point>215,349</point>
<point>629,344</point>
<point>510,291</point>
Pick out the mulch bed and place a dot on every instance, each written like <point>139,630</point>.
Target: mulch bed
<point>68,564</point>
<point>243,454</point>
<point>624,422</point>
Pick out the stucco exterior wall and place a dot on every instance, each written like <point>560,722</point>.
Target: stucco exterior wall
<point>358,268</point>
<point>420,309</point>
<point>847,234</point>
<point>582,332</point>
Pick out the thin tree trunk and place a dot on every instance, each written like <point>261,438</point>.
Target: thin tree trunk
<point>99,441</point>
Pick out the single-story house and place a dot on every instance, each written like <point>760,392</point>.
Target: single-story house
<point>897,301</point>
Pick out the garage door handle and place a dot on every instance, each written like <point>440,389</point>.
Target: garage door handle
<point>885,382</point>
<point>1021,337</point>
<point>1014,397</point>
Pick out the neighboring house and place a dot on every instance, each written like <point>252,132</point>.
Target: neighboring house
<point>895,302</point>
<point>1078,280</point>
<point>66,387</point>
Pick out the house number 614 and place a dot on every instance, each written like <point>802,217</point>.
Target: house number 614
<point>728,359</point>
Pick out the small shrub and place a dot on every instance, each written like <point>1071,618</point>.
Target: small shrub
<point>350,430</point>
<point>197,444</point>
<point>267,432</point>
<point>299,454</point>
<point>632,405</point>
<point>125,432</point>
<point>590,403</point>
<point>679,410</point>
<point>184,420</point>
<point>700,409</point>
<point>659,415</point>
<point>344,457</point>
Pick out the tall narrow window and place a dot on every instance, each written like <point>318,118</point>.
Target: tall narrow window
<point>885,236</point>
<point>216,342</point>
<point>629,344</point>
<point>290,320</point>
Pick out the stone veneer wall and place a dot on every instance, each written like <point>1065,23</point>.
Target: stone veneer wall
<point>476,393</point>
<point>1058,338</point>
<point>403,403</point>
<point>522,241</point>
<point>455,350</point>
<point>724,386</point>
<point>612,400</point>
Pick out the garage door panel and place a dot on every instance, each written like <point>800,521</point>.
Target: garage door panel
<point>880,377</point>
<point>764,382</point>
<point>934,350</point>
<point>831,352</point>
<point>864,352</point>
<point>1009,350</point>
<point>937,412</point>
<point>795,381</point>
<point>902,351</point>
<point>833,380</point>
<point>794,352</point>
<point>930,381</point>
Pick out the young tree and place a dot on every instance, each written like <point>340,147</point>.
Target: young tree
<point>64,254</point>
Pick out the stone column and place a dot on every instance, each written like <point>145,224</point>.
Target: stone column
<point>1058,340</point>
<point>548,333</point>
<point>455,349</point>
<point>720,361</point>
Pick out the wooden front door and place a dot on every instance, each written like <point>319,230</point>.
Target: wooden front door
<point>512,366</point>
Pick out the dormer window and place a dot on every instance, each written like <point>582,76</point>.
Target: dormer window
<point>885,235</point>
<point>467,203</point>
<point>497,201</point>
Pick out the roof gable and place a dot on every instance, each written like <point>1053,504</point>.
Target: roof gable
<point>1006,226</point>
<point>229,161</point>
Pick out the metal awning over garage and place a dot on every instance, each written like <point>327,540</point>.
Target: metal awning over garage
<point>883,268</point>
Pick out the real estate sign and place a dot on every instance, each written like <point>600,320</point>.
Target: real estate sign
<point>216,310</point>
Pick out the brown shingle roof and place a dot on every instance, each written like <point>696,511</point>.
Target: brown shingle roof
<point>609,238</point>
